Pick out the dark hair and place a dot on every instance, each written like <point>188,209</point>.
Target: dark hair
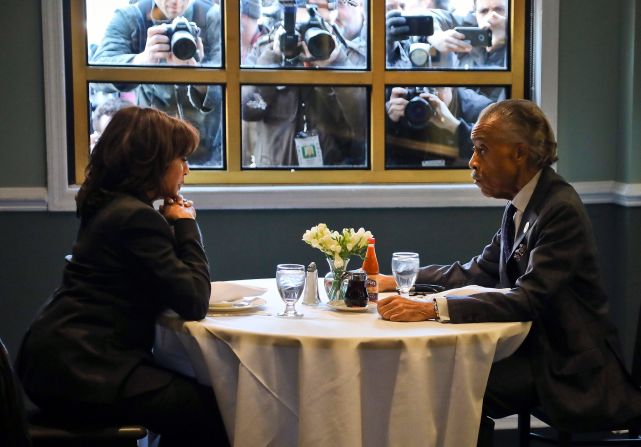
<point>108,108</point>
<point>522,121</point>
<point>132,156</point>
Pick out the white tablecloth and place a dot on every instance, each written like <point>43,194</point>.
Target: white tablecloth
<point>339,379</point>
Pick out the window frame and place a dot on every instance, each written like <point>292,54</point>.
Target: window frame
<point>286,189</point>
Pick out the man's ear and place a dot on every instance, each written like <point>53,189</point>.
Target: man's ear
<point>521,154</point>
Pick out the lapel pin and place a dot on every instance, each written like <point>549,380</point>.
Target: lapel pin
<point>519,252</point>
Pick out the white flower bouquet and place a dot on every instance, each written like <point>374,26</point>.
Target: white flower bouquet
<point>338,248</point>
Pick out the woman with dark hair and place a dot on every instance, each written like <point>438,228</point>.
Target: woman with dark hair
<point>88,352</point>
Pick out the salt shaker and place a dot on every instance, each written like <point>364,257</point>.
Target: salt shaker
<point>310,292</point>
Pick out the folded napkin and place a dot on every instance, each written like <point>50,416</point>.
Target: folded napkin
<point>222,291</point>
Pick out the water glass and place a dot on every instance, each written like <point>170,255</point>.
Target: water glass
<point>290,280</point>
<point>405,268</point>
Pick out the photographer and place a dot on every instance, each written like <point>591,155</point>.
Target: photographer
<point>333,119</point>
<point>401,36</point>
<point>430,127</point>
<point>452,45</point>
<point>139,34</point>
<point>306,37</point>
<point>351,22</point>
<point>351,19</point>
<point>397,40</point>
<point>251,31</point>
<point>448,47</point>
<point>102,115</point>
<point>488,14</point>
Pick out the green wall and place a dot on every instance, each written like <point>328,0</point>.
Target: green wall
<point>22,123</point>
<point>597,138</point>
<point>588,99</point>
<point>630,93</point>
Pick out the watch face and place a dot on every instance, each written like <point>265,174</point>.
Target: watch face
<point>418,57</point>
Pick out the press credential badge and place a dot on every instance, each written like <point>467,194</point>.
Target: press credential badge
<point>308,151</point>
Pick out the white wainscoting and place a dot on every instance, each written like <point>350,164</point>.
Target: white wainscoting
<point>319,197</point>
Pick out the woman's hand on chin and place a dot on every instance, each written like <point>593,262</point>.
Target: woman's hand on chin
<point>178,207</point>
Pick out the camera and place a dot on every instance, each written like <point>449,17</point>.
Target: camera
<point>475,36</point>
<point>418,111</point>
<point>182,37</point>
<point>314,32</point>
<point>419,25</point>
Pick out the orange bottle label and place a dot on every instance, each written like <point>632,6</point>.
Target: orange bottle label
<point>372,289</point>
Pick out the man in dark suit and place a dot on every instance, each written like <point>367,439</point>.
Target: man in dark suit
<point>544,257</point>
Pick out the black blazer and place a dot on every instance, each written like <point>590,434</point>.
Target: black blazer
<point>128,265</point>
<point>555,283</point>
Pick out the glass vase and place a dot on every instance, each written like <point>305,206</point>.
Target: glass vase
<point>334,280</point>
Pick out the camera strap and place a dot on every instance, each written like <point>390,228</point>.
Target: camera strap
<point>179,105</point>
<point>308,148</point>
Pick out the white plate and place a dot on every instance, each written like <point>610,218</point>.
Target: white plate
<point>340,305</point>
<point>247,303</point>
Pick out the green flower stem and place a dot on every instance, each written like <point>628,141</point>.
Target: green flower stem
<point>337,283</point>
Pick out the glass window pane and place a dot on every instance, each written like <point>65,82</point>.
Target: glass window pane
<point>201,105</point>
<point>447,34</point>
<point>156,33</point>
<point>429,126</point>
<point>304,34</point>
<point>304,126</point>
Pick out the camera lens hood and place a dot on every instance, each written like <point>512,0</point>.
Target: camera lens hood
<point>320,43</point>
<point>183,45</point>
<point>182,38</point>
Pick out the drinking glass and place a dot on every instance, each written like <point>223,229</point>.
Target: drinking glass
<point>290,280</point>
<point>405,268</point>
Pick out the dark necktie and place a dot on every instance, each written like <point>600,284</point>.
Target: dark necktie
<point>507,232</point>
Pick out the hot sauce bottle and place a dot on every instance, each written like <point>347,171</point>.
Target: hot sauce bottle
<point>370,266</point>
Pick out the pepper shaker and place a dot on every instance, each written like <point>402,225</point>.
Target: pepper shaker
<point>310,292</point>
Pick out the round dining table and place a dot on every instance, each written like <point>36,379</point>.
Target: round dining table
<point>338,378</point>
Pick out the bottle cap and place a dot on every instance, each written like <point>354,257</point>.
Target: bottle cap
<point>358,275</point>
